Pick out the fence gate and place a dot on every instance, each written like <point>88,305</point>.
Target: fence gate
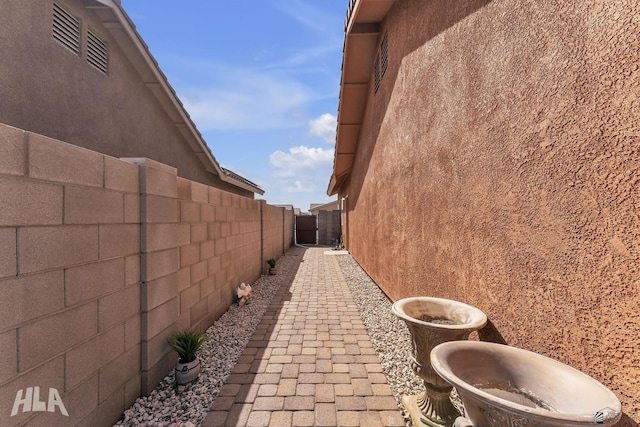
<point>306,229</point>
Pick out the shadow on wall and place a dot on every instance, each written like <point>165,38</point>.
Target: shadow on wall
<point>625,421</point>
<point>491,334</point>
<point>440,15</point>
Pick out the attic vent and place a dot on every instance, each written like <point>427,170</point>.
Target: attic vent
<point>377,76</point>
<point>382,59</point>
<point>384,54</point>
<point>97,52</point>
<point>66,29</point>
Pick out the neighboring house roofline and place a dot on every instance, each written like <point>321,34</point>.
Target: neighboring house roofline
<point>322,206</point>
<point>362,28</point>
<point>123,30</point>
<point>240,178</point>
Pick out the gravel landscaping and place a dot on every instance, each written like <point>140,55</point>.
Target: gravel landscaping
<point>389,335</point>
<point>187,406</point>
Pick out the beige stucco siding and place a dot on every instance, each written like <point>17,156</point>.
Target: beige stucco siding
<point>47,89</point>
<point>499,164</point>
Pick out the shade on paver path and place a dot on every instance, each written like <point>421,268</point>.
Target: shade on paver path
<point>310,361</point>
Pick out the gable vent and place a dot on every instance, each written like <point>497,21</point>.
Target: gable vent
<point>66,29</point>
<point>384,55</point>
<point>376,75</point>
<point>380,66</point>
<point>97,52</point>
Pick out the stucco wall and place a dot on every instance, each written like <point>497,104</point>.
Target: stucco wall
<point>101,259</point>
<point>47,89</point>
<point>499,165</point>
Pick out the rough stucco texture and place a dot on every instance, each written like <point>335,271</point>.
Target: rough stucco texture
<point>47,89</point>
<point>499,165</point>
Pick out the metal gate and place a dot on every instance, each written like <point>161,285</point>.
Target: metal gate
<point>306,229</point>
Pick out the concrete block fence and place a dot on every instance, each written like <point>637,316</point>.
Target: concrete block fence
<point>101,259</point>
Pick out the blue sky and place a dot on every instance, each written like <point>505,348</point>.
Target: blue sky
<point>260,79</point>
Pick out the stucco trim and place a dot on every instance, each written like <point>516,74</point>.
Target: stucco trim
<point>118,23</point>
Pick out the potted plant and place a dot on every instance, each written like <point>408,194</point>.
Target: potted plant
<point>186,344</point>
<point>272,265</point>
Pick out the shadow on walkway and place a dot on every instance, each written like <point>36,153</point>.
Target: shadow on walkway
<point>310,361</point>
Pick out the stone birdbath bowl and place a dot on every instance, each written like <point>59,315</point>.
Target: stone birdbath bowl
<point>506,386</point>
<point>432,321</point>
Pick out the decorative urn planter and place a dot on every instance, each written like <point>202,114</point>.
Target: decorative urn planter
<point>432,321</point>
<point>187,372</point>
<point>508,386</point>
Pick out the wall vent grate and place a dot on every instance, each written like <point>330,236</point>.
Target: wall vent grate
<point>66,29</point>
<point>97,52</point>
<point>376,75</point>
<point>382,60</point>
<point>384,55</point>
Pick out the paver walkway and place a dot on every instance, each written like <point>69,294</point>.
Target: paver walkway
<point>310,361</point>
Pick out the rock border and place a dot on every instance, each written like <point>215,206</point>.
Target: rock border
<point>187,406</point>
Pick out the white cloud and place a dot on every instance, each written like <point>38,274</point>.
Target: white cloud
<point>246,99</point>
<point>301,175</point>
<point>313,17</point>
<point>324,127</point>
<point>274,86</point>
<point>298,175</point>
<point>296,187</point>
<point>299,158</point>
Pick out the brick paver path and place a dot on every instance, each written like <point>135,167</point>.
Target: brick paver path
<point>310,361</point>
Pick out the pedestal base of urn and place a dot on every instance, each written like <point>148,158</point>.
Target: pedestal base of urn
<point>424,411</point>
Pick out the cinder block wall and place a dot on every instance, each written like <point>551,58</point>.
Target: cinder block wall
<point>101,259</point>
<point>219,238</point>
<point>199,243</point>
<point>69,279</point>
<point>273,237</point>
<point>289,227</point>
<point>159,214</point>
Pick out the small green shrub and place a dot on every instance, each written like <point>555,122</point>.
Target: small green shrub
<point>271,262</point>
<point>186,344</point>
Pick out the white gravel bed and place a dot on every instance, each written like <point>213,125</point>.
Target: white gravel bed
<point>389,335</point>
<point>188,405</point>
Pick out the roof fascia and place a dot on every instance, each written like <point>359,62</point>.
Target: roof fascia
<point>362,26</point>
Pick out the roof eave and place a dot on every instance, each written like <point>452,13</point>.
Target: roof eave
<point>362,28</point>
